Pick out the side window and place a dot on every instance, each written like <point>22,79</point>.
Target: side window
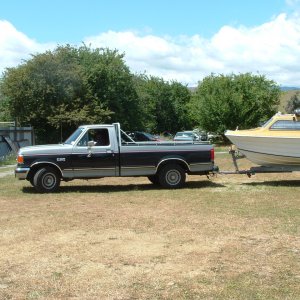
<point>99,136</point>
<point>286,125</point>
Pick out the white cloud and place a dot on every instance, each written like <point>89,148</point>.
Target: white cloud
<point>15,46</point>
<point>271,49</point>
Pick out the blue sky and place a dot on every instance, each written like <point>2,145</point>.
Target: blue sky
<point>180,40</point>
<point>70,21</point>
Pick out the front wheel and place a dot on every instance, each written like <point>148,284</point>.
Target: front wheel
<point>172,176</point>
<point>154,179</point>
<point>46,180</point>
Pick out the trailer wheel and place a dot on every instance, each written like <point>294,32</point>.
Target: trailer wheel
<point>154,179</point>
<point>172,176</point>
<point>46,180</point>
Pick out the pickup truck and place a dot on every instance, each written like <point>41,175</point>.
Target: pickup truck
<point>96,151</point>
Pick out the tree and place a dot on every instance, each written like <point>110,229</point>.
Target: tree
<point>225,102</point>
<point>70,86</point>
<point>293,103</point>
<point>111,84</point>
<point>4,109</point>
<point>165,104</point>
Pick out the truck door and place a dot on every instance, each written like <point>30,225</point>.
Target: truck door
<point>98,160</point>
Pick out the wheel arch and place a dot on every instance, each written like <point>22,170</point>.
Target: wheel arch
<point>173,160</point>
<point>37,165</point>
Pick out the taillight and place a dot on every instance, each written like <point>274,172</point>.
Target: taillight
<point>20,159</point>
<point>212,154</point>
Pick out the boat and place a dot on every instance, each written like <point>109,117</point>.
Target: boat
<point>276,143</point>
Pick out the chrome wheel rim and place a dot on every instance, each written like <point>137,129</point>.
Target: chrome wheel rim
<point>49,180</point>
<point>173,177</point>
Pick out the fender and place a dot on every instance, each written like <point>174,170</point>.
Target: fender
<point>48,163</point>
<point>166,159</point>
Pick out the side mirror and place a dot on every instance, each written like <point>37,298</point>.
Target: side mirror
<point>91,144</point>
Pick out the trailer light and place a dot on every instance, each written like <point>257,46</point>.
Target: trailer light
<point>20,159</point>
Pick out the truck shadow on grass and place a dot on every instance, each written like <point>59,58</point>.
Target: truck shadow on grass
<point>274,183</point>
<point>124,188</point>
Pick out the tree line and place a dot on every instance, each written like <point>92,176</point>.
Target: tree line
<point>70,86</point>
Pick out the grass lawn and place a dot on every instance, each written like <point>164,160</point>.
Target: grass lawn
<point>8,160</point>
<point>231,237</point>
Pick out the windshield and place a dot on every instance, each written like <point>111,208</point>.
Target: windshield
<point>73,137</point>
<point>186,134</point>
<point>179,134</point>
<point>189,134</point>
<point>148,135</point>
<point>267,123</point>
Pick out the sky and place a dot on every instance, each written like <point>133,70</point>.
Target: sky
<point>182,40</point>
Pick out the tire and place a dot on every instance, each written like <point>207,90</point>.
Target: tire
<point>31,180</point>
<point>46,180</point>
<point>154,179</point>
<point>172,176</point>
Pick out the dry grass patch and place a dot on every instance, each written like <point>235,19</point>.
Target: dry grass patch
<point>228,238</point>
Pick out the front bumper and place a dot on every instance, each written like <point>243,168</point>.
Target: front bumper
<point>21,173</point>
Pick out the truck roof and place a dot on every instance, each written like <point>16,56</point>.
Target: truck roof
<point>96,125</point>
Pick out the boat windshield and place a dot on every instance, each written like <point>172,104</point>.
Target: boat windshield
<point>73,137</point>
<point>267,123</point>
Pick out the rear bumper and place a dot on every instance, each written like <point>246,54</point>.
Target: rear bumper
<point>21,173</point>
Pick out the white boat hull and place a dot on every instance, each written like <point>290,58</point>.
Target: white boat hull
<point>268,150</point>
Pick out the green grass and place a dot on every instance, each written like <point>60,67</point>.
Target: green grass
<point>8,160</point>
<point>221,148</point>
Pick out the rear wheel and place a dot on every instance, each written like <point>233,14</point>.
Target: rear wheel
<point>46,180</point>
<point>172,176</point>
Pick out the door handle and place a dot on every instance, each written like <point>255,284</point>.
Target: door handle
<point>109,151</point>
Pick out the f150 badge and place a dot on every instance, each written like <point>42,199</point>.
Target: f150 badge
<point>61,159</point>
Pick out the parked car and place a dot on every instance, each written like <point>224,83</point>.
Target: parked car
<point>214,137</point>
<point>186,136</point>
<point>202,134</point>
<point>140,136</point>
<point>167,135</point>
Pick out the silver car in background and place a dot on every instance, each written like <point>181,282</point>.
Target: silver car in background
<point>186,136</point>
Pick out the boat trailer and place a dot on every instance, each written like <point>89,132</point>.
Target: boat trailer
<point>257,169</point>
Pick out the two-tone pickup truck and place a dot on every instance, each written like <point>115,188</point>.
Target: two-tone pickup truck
<point>96,151</point>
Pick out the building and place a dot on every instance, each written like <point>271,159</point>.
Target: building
<point>12,138</point>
